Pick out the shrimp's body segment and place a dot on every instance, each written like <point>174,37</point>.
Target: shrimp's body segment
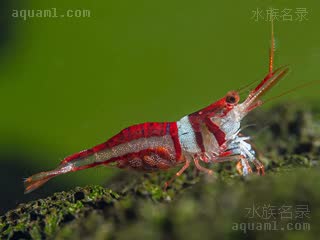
<point>211,134</point>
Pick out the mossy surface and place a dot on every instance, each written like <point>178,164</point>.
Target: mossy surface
<point>135,206</point>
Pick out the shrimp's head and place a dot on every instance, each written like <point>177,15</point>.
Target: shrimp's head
<point>232,110</point>
<point>228,112</point>
<point>238,110</point>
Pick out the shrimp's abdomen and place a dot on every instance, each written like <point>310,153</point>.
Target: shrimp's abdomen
<point>145,146</point>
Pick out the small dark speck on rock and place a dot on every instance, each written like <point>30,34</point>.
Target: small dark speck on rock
<point>318,150</point>
<point>42,224</point>
<point>3,218</point>
<point>21,235</point>
<point>282,150</point>
<point>101,204</point>
<point>131,214</point>
<point>5,227</point>
<point>275,129</point>
<point>33,216</point>
<point>13,216</point>
<point>79,196</point>
<point>68,218</point>
<point>303,148</point>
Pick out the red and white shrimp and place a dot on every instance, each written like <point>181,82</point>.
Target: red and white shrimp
<point>209,135</point>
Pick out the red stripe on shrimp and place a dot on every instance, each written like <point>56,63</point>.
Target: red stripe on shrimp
<point>216,131</point>
<point>197,132</point>
<point>175,138</point>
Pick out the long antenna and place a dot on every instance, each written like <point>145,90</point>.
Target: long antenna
<point>271,57</point>
<point>271,53</point>
<point>291,90</point>
<point>245,87</point>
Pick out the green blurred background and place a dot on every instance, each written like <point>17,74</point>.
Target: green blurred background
<point>70,83</point>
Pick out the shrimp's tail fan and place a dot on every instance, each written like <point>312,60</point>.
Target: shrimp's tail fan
<point>37,180</point>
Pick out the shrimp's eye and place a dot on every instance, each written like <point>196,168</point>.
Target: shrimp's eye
<point>232,98</point>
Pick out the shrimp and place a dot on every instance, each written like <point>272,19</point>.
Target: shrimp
<point>210,135</point>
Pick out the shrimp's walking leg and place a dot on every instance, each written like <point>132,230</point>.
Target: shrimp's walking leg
<point>216,159</point>
<point>259,166</point>
<point>185,166</point>
<point>239,167</point>
<point>243,166</point>
<point>200,168</point>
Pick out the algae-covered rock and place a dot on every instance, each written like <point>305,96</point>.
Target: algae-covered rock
<point>284,203</point>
